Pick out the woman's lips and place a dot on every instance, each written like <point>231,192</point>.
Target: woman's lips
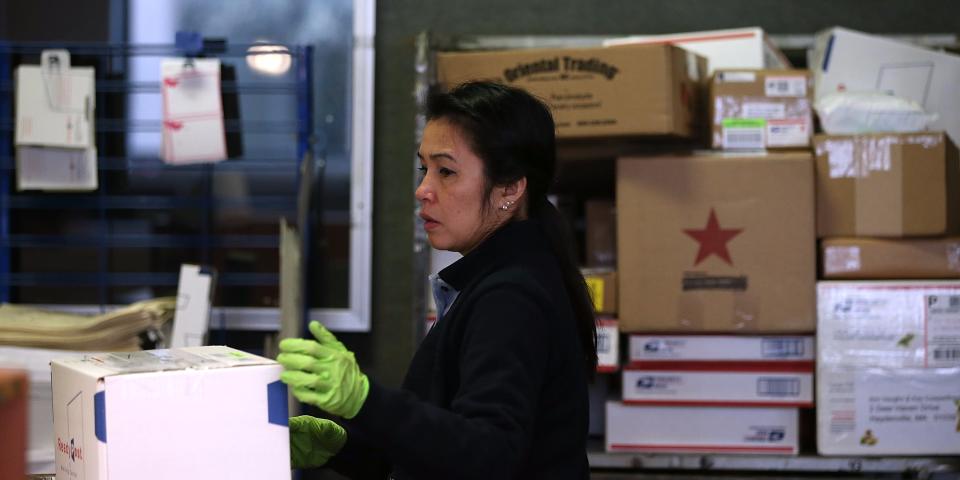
<point>429,223</point>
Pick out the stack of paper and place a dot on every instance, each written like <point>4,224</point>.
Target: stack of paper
<point>112,331</point>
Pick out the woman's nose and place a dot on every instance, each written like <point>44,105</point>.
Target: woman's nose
<point>424,192</point>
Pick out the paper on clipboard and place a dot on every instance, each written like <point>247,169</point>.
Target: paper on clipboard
<point>55,103</point>
<point>192,111</point>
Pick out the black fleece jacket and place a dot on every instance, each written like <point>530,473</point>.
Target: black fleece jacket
<point>497,389</point>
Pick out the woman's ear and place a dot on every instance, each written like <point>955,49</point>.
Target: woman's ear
<point>513,192</point>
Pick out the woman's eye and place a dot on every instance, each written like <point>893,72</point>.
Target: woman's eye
<point>445,172</point>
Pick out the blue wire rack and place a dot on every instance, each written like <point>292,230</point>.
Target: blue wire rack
<point>105,205</point>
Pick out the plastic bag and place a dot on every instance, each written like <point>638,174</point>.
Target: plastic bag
<point>844,113</point>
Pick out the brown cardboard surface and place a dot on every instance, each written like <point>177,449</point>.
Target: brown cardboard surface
<point>716,243</point>
<point>603,290</point>
<point>734,93</point>
<point>887,185</point>
<point>13,418</point>
<point>604,91</point>
<point>601,233</point>
<point>880,258</point>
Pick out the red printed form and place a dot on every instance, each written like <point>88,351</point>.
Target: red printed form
<point>192,111</point>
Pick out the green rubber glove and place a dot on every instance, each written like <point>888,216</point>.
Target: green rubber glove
<point>323,373</point>
<point>313,441</point>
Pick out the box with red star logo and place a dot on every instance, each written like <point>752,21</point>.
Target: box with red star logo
<point>716,243</point>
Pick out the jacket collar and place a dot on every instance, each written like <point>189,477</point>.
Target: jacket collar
<point>511,241</point>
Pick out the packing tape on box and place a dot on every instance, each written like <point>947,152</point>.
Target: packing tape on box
<point>785,122</point>
<point>744,312</point>
<point>859,157</point>
<point>953,256</point>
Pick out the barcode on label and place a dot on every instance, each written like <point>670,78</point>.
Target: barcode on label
<point>778,387</point>
<point>742,138</point>
<point>603,342</point>
<point>782,347</point>
<point>785,86</point>
<point>954,301</point>
<point>946,354</point>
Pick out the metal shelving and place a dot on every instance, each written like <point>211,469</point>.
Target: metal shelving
<point>664,466</point>
<point>112,202</point>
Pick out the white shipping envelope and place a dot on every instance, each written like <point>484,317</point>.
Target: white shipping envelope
<point>56,169</point>
<point>193,129</point>
<point>55,108</point>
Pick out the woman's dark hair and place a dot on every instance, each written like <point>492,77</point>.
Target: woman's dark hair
<point>513,133</point>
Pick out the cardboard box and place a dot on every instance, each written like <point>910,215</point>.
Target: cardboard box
<point>888,379</point>
<point>897,324</point>
<point>602,285</point>
<point>758,109</point>
<point>13,418</point>
<point>721,348</point>
<point>608,345</point>
<point>730,48</point>
<point>716,243</point>
<point>888,411</point>
<point>879,258</point>
<point>887,185</point>
<point>701,429</point>
<point>614,91</point>
<point>197,412</point>
<point>847,60</point>
<point>601,234</point>
<point>709,384</point>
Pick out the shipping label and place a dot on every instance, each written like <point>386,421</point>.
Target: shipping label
<point>943,330</point>
<point>743,133</point>
<point>790,132</point>
<point>785,86</point>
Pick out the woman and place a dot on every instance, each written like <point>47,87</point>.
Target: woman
<point>498,388</point>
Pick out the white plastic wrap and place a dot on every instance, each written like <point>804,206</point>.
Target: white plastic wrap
<point>845,113</point>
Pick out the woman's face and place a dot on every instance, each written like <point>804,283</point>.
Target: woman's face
<point>451,190</point>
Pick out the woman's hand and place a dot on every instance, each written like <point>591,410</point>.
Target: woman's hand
<point>313,441</point>
<point>323,373</point>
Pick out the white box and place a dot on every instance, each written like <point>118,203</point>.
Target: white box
<point>888,323</point>
<point>608,345</point>
<point>198,412</point>
<point>700,386</point>
<point>888,411</point>
<point>731,48</point>
<point>701,429</point>
<point>888,377</point>
<point>721,348</point>
<point>847,60</point>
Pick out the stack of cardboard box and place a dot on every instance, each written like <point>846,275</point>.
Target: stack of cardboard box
<point>888,212</point>
<point>708,260</point>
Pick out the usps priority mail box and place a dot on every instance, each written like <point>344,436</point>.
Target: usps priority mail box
<point>197,412</point>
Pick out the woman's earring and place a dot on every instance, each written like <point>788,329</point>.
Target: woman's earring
<point>506,206</point>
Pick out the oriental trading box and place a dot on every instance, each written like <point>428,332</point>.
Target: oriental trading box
<point>758,109</point>
<point>605,91</point>
<point>715,384</point>
<point>888,368</point>
<point>196,412</point>
<point>716,243</point>
<point>13,423</point>
<point>862,258</point>
<point>887,185</point>
<point>772,431</point>
<point>721,348</point>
